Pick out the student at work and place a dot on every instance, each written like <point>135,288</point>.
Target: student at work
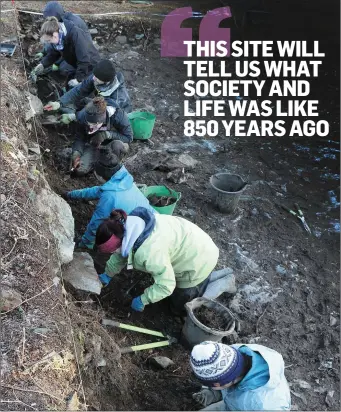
<point>240,377</point>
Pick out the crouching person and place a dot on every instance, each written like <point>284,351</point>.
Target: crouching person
<point>118,191</point>
<point>175,252</point>
<point>97,125</point>
<point>240,377</point>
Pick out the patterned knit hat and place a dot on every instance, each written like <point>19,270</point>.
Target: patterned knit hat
<point>214,362</point>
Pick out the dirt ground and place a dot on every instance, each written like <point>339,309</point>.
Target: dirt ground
<point>288,280</point>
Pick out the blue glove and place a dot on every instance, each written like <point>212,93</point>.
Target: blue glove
<point>105,279</point>
<point>137,304</point>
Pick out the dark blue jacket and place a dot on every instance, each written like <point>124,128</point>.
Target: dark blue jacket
<point>79,51</point>
<point>117,125</point>
<point>118,96</point>
<point>53,8</point>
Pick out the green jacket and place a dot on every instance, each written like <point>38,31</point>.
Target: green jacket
<point>177,253</point>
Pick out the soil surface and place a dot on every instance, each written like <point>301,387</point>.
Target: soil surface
<point>210,318</point>
<point>287,279</point>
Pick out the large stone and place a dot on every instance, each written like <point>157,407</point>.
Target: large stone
<point>161,362</point>
<point>58,214</point>
<point>9,299</point>
<point>121,39</point>
<point>188,161</point>
<point>36,107</point>
<point>82,274</point>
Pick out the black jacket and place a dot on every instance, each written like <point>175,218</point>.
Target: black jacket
<point>118,126</point>
<point>79,51</point>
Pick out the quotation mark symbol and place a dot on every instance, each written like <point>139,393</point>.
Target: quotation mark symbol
<point>173,36</point>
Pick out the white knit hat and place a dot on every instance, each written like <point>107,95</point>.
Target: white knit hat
<point>214,362</point>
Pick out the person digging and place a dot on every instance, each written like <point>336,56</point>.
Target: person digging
<point>72,44</point>
<point>118,191</point>
<point>55,9</point>
<point>241,377</point>
<point>175,252</point>
<point>103,82</point>
<point>97,125</point>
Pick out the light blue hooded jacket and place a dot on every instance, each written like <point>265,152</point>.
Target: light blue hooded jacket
<point>120,192</point>
<point>264,388</point>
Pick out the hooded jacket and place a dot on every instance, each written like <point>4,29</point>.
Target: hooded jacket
<point>120,192</point>
<point>53,8</point>
<point>176,252</point>
<point>117,126</point>
<point>115,93</point>
<point>264,388</point>
<point>79,51</point>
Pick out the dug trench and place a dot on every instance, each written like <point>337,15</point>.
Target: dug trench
<point>287,280</point>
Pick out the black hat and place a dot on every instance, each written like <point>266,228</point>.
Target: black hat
<point>110,157</point>
<point>105,71</point>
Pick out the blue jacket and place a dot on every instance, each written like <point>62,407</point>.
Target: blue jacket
<point>264,388</point>
<point>120,192</point>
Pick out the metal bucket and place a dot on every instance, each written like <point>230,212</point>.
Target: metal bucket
<point>194,332</point>
<point>227,189</point>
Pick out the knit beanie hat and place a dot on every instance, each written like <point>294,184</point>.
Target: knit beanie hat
<point>105,71</point>
<point>214,362</point>
<point>110,157</point>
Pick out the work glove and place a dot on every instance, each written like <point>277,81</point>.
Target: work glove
<point>38,56</point>
<point>105,279</point>
<point>73,83</point>
<point>99,138</point>
<point>52,106</point>
<point>67,118</point>
<point>137,304</point>
<point>38,70</point>
<point>55,67</point>
<point>207,396</point>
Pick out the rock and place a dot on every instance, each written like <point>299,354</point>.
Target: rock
<point>320,390</point>
<point>187,213</point>
<point>326,365</point>
<point>35,148</point>
<point>9,299</point>
<point>267,216</point>
<point>177,176</point>
<point>139,36</point>
<point>132,54</point>
<point>281,270</point>
<point>121,39</point>
<point>300,396</point>
<point>254,212</point>
<point>82,274</point>
<point>36,107</point>
<point>2,198</point>
<point>42,331</point>
<point>242,260</point>
<point>114,26</point>
<point>187,161</point>
<point>102,362</point>
<point>93,31</point>
<point>332,321</point>
<point>35,36</point>
<point>59,216</point>
<point>175,116</point>
<point>302,384</point>
<point>329,398</point>
<point>157,42</point>
<point>161,362</point>
<point>72,403</point>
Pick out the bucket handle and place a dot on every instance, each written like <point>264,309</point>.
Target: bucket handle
<point>139,118</point>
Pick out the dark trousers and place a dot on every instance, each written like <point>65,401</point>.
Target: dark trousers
<point>180,297</point>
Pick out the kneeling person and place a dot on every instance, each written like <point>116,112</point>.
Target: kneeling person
<point>240,377</point>
<point>97,125</point>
